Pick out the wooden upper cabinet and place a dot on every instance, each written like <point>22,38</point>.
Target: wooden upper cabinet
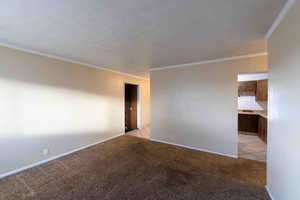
<point>262,90</point>
<point>247,88</point>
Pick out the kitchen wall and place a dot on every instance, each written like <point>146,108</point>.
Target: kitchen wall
<point>47,103</point>
<point>283,137</point>
<point>250,103</point>
<point>196,106</point>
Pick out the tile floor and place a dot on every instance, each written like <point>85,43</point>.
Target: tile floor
<point>252,147</point>
<point>142,133</point>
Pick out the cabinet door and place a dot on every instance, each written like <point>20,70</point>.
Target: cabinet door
<point>247,88</point>
<point>262,90</point>
<point>248,123</point>
<point>265,130</point>
<point>262,129</point>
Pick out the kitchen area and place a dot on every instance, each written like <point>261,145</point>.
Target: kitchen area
<point>253,116</point>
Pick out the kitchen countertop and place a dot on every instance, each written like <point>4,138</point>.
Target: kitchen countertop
<point>255,112</point>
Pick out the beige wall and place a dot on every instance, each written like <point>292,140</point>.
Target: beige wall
<point>284,126</point>
<point>46,103</point>
<point>196,106</point>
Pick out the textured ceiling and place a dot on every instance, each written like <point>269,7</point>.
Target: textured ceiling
<point>135,35</point>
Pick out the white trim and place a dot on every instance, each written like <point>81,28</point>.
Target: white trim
<point>139,107</point>
<point>279,18</point>
<point>68,60</point>
<point>209,61</point>
<point>194,148</point>
<point>269,192</point>
<point>139,104</point>
<point>55,157</point>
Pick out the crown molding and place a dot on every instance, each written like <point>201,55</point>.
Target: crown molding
<point>68,60</point>
<point>279,18</point>
<point>209,61</point>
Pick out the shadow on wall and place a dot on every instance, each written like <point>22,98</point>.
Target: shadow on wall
<point>40,70</point>
<point>17,152</point>
<point>60,108</point>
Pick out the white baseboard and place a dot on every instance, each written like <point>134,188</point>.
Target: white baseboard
<point>55,157</point>
<point>194,148</point>
<point>269,192</point>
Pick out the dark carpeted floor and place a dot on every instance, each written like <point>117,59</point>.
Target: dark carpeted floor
<point>132,168</point>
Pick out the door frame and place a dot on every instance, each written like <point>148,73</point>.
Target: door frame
<point>139,106</point>
<point>237,112</point>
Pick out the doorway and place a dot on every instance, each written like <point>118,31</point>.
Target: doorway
<point>131,107</point>
<point>253,116</point>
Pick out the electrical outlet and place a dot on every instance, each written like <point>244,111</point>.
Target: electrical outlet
<point>45,152</point>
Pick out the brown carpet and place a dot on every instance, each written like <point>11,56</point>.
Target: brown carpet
<point>133,168</point>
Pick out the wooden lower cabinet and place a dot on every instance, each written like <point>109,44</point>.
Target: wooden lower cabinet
<point>248,123</point>
<point>255,124</point>
<point>263,128</point>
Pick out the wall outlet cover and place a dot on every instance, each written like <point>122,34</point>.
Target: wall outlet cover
<point>45,151</point>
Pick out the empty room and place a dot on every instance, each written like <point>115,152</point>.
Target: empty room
<point>149,100</point>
